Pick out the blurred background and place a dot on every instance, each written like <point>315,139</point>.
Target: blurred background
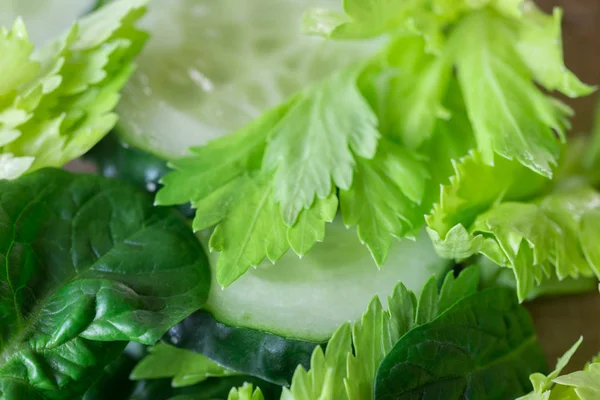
<point>561,320</point>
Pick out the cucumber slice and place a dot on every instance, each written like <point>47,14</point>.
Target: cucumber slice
<point>309,298</point>
<point>211,66</point>
<point>260,354</point>
<point>44,19</point>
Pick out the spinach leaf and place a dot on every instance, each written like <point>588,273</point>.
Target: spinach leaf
<point>484,347</point>
<point>87,265</point>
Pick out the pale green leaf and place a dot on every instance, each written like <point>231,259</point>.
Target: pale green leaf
<point>60,96</point>
<point>406,88</point>
<point>540,47</point>
<point>494,211</point>
<point>254,227</point>
<point>475,187</point>
<point>542,384</point>
<point>384,200</point>
<point>224,183</point>
<point>586,384</point>
<point>511,117</point>
<point>580,385</point>
<point>17,67</point>
<point>184,367</point>
<point>363,19</point>
<point>314,145</point>
<point>310,226</point>
<point>245,392</point>
<point>324,380</point>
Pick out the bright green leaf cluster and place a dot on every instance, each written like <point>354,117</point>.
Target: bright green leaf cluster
<point>502,212</point>
<point>375,139</point>
<point>56,101</point>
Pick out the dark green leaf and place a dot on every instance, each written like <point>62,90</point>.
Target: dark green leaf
<point>115,160</point>
<point>261,354</point>
<point>114,384</point>
<point>89,265</point>
<point>484,347</point>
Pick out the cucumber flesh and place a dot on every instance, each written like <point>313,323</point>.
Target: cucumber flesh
<point>211,66</point>
<point>309,298</point>
<point>45,19</point>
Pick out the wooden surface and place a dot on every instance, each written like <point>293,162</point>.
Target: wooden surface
<point>561,320</point>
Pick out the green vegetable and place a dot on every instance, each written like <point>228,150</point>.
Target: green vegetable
<point>579,385</point>
<point>56,101</point>
<point>90,265</point>
<point>219,65</point>
<point>328,286</point>
<point>553,235</point>
<point>253,352</point>
<point>245,392</point>
<point>364,139</point>
<point>481,348</point>
<point>348,367</point>
<point>184,367</point>
<point>542,384</point>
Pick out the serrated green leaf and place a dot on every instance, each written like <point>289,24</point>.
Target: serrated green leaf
<point>475,187</point>
<point>384,200</point>
<point>324,380</point>
<point>310,226</point>
<point>540,47</point>
<point>363,19</point>
<point>183,366</point>
<point>17,66</point>
<point>406,88</point>
<point>539,238</point>
<point>64,92</point>
<point>542,384</point>
<point>254,226</point>
<point>513,119</point>
<point>580,385</point>
<point>586,384</point>
<point>314,146</point>
<point>347,371</point>
<point>483,346</point>
<point>90,264</point>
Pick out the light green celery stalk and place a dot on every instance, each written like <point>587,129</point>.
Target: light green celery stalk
<point>56,101</point>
